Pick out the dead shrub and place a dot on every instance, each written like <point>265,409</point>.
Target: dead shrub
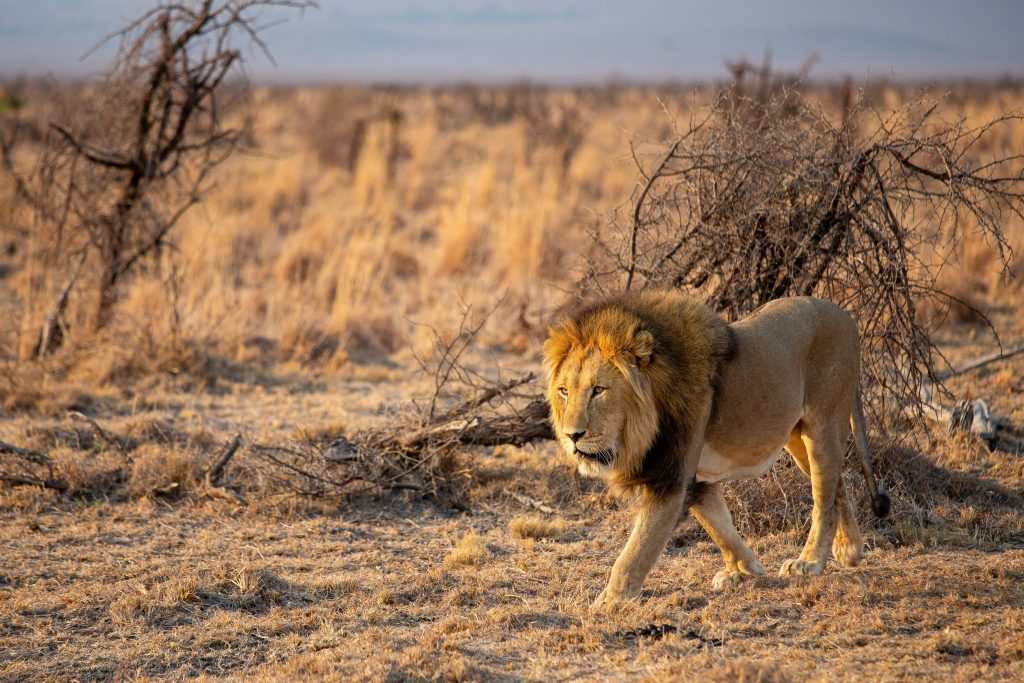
<point>121,166</point>
<point>756,200</point>
<point>423,447</point>
<point>161,470</point>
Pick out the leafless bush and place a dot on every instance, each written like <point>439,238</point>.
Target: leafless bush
<point>421,448</point>
<point>86,460</point>
<point>120,168</point>
<point>745,209</point>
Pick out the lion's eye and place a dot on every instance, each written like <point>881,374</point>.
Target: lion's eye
<point>598,391</point>
<point>563,392</point>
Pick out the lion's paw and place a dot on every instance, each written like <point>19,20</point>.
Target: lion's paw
<point>801,568</point>
<point>728,579</point>
<point>847,555</point>
<point>606,602</point>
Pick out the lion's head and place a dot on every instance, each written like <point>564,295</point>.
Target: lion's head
<point>602,406</point>
<point>629,378</point>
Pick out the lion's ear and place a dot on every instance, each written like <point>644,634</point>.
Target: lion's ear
<point>643,347</point>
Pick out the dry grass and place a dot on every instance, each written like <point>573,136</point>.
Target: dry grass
<point>531,527</point>
<point>409,590</point>
<point>287,312</point>
<point>470,551</point>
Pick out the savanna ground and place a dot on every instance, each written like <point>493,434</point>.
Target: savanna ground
<point>295,304</point>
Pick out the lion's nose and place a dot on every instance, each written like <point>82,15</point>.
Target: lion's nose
<point>573,436</point>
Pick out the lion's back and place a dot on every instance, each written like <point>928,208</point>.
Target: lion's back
<point>792,355</point>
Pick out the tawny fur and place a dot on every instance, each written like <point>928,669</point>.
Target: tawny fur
<point>654,391</point>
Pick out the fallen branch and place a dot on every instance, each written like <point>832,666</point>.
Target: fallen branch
<point>27,477</point>
<point>104,435</point>
<point>16,480</point>
<point>28,454</point>
<point>519,428</point>
<point>214,474</point>
<point>971,416</point>
<point>982,362</point>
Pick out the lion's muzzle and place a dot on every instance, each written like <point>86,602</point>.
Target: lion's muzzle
<point>602,457</point>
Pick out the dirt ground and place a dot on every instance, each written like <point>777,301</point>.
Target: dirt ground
<point>401,588</point>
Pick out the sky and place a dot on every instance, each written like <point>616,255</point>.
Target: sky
<point>562,41</point>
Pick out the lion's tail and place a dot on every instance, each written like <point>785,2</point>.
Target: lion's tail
<point>880,502</point>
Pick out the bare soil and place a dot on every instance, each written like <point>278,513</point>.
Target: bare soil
<point>395,587</point>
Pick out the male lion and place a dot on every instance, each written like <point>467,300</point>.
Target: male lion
<point>661,396</point>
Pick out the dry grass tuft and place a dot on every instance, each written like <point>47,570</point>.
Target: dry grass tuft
<point>469,551</point>
<point>161,470</point>
<point>536,527</point>
<point>746,671</point>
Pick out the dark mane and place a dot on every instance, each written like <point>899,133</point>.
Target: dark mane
<point>691,344</point>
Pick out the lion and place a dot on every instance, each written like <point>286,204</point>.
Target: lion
<point>664,399</point>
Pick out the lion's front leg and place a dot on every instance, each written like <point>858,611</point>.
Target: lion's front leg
<point>713,514</point>
<point>651,531</point>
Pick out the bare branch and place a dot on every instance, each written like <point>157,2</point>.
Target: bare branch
<point>27,453</point>
<point>28,477</point>
<point>112,176</point>
<point>103,435</point>
<point>215,472</point>
<point>768,197</point>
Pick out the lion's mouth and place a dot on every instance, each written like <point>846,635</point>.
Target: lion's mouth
<point>602,457</point>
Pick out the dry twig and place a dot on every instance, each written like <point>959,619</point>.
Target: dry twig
<point>23,474</point>
<point>214,474</point>
<point>104,435</point>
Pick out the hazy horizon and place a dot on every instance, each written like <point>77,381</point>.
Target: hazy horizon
<point>561,41</point>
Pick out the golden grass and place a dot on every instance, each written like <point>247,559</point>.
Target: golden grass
<point>537,528</point>
<point>294,257</point>
<point>470,550</point>
<point>286,312</point>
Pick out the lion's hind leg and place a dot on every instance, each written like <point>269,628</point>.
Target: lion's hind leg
<point>712,513</point>
<point>848,545</point>
<point>822,457</point>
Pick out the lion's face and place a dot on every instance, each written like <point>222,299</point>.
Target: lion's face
<point>600,399</point>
